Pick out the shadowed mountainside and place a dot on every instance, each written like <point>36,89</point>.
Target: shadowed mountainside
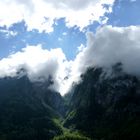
<point>101,107</point>
<point>28,110</point>
<point>106,107</point>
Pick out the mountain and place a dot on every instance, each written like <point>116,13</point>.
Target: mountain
<point>28,110</point>
<point>106,105</point>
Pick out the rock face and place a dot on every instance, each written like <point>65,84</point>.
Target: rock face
<point>28,110</point>
<point>106,107</point>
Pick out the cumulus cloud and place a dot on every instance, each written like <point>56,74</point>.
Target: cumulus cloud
<point>41,14</point>
<point>107,47</point>
<point>38,62</point>
<point>111,45</point>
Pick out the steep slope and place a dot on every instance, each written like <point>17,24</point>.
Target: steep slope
<point>28,110</point>
<point>106,107</point>
<point>102,106</point>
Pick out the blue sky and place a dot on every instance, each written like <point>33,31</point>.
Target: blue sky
<point>62,37</point>
<point>124,13</point>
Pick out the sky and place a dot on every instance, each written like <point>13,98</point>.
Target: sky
<point>63,38</point>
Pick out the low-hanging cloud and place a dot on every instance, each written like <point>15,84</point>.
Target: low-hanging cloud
<point>107,47</point>
<point>110,45</point>
<point>39,64</point>
<point>42,14</point>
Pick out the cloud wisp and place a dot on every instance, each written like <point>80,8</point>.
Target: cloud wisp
<point>107,47</point>
<point>42,14</point>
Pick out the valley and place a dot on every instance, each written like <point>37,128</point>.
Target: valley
<point>100,107</point>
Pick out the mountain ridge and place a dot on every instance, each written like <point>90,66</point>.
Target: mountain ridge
<point>101,106</point>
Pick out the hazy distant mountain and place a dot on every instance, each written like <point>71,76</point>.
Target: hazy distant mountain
<point>106,106</point>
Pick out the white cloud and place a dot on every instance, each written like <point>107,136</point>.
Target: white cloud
<point>105,48</point>
<point>38,63</point>
<point>80,48</point>
<point>111,45</point>
<point>8,33</point>
<point>41,14</point>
